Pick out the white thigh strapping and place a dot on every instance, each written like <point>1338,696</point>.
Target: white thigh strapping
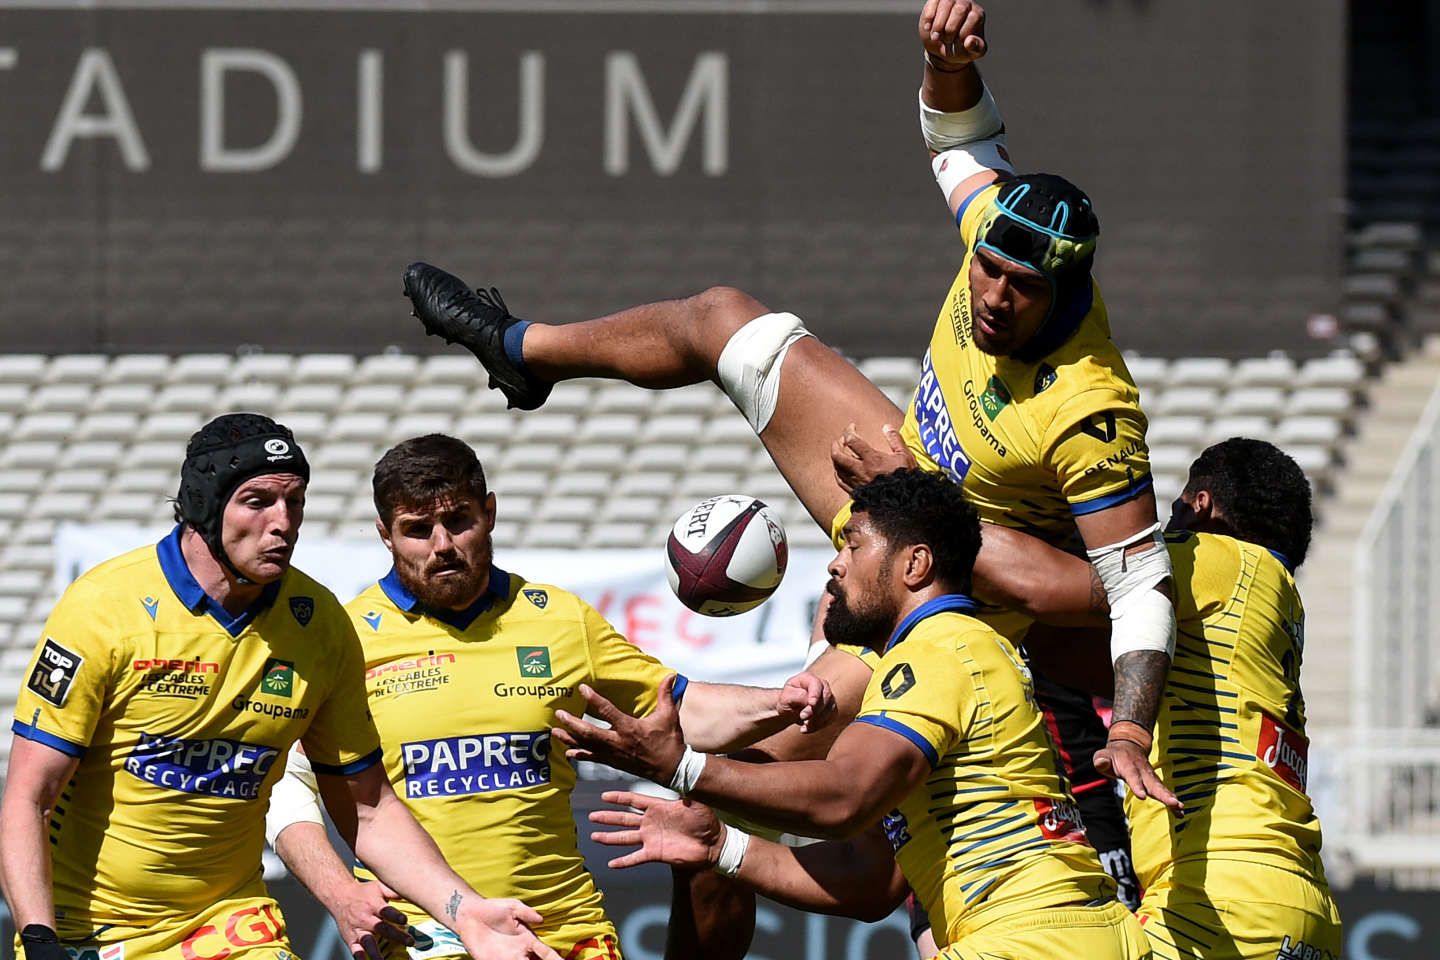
<point>749,366</point>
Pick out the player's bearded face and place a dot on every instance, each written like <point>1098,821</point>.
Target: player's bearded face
<point>1008,303</point>
<point>442,550</point>
<point>862,611</point>
<point>261,524</point>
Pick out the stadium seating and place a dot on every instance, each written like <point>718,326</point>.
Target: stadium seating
<point>94,439</point>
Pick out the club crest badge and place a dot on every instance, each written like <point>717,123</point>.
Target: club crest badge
<point>303,608</point>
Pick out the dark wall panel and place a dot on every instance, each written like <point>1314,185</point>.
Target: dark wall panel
<point>1211,146</point>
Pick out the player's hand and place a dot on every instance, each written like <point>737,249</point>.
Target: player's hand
<point>650,747</point>
<point>682,833</point>
<point>1129,761</point>
<point>807,701</point>
<point>498,929</point>
<point>365,917</point>
<point>856,462</point>
<point>953,32</point>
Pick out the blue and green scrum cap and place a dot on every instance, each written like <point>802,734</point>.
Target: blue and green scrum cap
<point>1046,223</point>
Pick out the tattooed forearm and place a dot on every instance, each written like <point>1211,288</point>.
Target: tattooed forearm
<point>1139,684</point>
<point>1099,600</point>
<point>452,909</point>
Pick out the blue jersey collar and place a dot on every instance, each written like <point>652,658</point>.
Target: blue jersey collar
<point>1284,560</point>
<point>498,589</point>
<point>188,590</point>
<point>949,603</point>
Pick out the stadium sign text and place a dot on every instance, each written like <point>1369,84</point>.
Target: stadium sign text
<point>96,106</point>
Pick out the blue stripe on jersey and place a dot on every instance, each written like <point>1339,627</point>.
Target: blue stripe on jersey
<point>353,767</point>
<point>1102,503</point>
<point>497,587</point>
<point>678,691</point>
<point>30,732</point>
<point>895,726</point>
<point>989,882</point>
<point>965,204</point>
<point>1284,560</point>
<point>189,592</point>
<point>985,841</point>
<point>948,603</point>
<point>1211,690</point>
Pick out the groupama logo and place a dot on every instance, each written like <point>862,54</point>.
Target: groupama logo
<point>278,679</point>
<point>534,661</point>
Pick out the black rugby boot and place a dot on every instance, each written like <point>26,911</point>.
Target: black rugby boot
<point>477,320</point>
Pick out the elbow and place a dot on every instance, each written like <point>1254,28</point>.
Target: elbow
<point>843,817</point>
<point>874,909</point>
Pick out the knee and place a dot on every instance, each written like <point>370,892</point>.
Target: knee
<point>726,309</point>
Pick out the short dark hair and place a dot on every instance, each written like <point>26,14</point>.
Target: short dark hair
<point>419,471</point>
<point>909,507</point>
<point>1261,491</point>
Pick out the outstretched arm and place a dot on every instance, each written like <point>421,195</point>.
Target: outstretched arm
<point>721,717</point>
<point>850,878</point>
<point>405,858</point>
<point>866,773</point>
<point>958,116</point>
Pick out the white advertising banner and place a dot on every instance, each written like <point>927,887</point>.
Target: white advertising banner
<point>628,587</point>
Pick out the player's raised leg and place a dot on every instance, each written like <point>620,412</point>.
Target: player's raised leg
<point>797,393</point>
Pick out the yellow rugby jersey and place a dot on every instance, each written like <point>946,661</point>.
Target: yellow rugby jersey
<point>994,830</point>
<point>464,703</point>
<point>180,715</point>
<point>1034,441</point>
<point>1230,738</point>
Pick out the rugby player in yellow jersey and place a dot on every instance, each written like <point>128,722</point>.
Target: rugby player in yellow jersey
<point>167,685</point>
<point>465,666</point>
<point>948,740</point>
<point>1023,399</point>
<point>1239,877</point>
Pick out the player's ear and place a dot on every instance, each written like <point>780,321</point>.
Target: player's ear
<point>490,508</point>
<point>384,533</point>
<point>919,565</point>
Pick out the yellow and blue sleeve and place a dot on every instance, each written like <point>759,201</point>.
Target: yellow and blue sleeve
<point>68,680</point>
<point>342,739</point>
<point>623,673</point>
<point>915,695</point>
<point>1100,458</point>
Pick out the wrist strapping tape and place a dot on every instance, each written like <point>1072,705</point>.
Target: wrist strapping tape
<point>732,851</point>
<point>687,772</point>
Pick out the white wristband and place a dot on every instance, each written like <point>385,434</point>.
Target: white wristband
<point>946,131</point>
<point>732,851</point>
<point>687,773</point>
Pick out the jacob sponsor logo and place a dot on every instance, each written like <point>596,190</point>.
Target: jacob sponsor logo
<point>485,763</point>
<point>1284,751</point>
<point>1060,820</point>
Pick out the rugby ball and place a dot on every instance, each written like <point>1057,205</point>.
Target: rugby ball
<point>726,555</point>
